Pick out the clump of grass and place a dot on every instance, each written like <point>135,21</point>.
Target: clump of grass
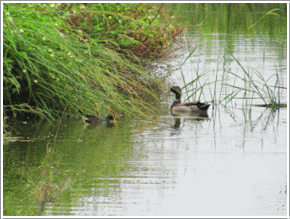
<point>270,95</point>
<point>89,57</point>
<point>255,86</point>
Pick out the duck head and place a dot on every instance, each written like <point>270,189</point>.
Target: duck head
<point>203,106</point>
<point>108,119</point>
<point>177,91</point>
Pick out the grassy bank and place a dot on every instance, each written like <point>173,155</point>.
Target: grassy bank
<point>83,57</point>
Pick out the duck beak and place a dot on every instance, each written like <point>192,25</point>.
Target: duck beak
<point>114,121</point>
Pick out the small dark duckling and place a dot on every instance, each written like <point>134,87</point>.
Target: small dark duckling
<point>92,120</point>
<point>190,107</point>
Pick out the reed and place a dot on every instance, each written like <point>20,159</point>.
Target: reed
<point>255,86</point>
<point>270,95</point>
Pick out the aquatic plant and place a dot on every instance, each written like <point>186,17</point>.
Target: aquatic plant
<point>224,85</point>
<point>269,94</point>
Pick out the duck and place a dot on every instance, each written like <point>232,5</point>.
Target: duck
<point>196,107</point>
<point>93,120</point>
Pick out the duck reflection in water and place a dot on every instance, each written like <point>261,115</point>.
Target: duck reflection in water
<point>177,121</point>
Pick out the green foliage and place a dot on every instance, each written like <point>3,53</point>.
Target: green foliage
<point>87,57</point>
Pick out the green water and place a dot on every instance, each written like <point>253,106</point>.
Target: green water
<point>160,170</point>
<point>77,159</point>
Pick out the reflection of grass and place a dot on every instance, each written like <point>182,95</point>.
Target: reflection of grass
<point>51,184</point>
<point>41,181</point>
<point>83,162</point>
<point>76,161</point>
<point>233,17</point>
<point>30,188</point>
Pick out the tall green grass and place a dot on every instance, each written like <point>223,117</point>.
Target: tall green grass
<point>83,57</point>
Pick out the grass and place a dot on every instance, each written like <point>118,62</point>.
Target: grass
<point>94,58</point>
<point>269,95</point>
<point>226,86</point>
<point>89,57</point>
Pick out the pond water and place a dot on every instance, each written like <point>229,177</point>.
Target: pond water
<point>231,163</point>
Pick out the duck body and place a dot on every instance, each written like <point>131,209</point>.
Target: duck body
<point>177,108</point>
<point>92,120</point>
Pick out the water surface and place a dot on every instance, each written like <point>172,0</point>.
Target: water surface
<point>233,163</point>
